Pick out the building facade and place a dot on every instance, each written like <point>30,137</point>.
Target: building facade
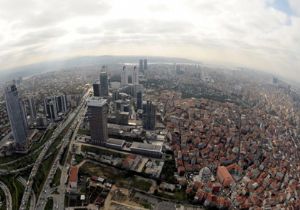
<point>124,77</point>
<point>97,116</point>
<point>139,100</point>
<point>17,117</point>
<point>149,113</point>
<point>103,84</point>
<point>96,88</point>
<point>145,64</point>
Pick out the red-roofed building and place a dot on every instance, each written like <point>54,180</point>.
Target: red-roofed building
<point>224,176</point>
<point>73,177</point>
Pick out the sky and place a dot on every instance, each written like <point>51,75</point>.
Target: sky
<point>260,34</point>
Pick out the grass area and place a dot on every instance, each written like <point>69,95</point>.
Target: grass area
<point>16,189</point>
<point>141,184</point>
<point>168,170</point>
<point>10,158</point>
<point>42,140</point>
<point>49,204</point>
<point>64,155</point>
<point>56,178</point>
<point>119,177</point>
<point>101,151</point>
<point>3,200</point>
<point>78,158</point>
<point>83,132</point>
<point>177,196</point>
<point>26,160</point>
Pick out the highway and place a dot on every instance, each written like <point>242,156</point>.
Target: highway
<point>33,198</point>
<point>7,195</point>
<point>59,199</point>
<point>42,200</point>
<point>60,127</point>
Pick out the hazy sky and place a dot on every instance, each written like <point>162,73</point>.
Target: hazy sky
<point>263,34</point>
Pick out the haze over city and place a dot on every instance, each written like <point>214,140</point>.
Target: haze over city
<point>260,34</point>
<point>149,104</point>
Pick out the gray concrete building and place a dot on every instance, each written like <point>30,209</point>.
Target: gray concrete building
<point>97,115</point>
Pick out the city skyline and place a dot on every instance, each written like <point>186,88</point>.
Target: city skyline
<point>256,34</point>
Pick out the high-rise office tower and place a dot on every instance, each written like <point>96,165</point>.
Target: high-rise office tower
<point>141,65</point>
<point>17,117</point>
<point>139,100</point>
<point>97,116</point>
<point>135,76</point>
<point>61,103</point>
<point>30,107</point>
<point>115,95</point>
<point>149,112</point>
<point>145,64</point>
<point>51,108</point>
<point>96,88</point>
<point>124,77</point>
<point>103,84</point>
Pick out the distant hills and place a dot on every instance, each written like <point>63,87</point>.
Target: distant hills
<point>42,67</point>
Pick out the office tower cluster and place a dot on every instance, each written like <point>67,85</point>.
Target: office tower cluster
<point>134,76</point>
<point>130,88</point>
<point>55,107</point>
<point>97,115</point>
<point>100,87</point>
<point>143,65</point>
<point>17,118</point>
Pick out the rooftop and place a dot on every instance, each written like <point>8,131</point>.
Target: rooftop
<point>143,146</point>
<point>96,101</point>
<point>117,142</point>
<point>73,174</point>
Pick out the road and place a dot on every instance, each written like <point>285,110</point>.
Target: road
<point>33,198</point>
<point>7,195</point>
<point>28,155</point>
<point>42,200</point>
<point>60,127</point>
<point>46,190</point>
<point>4,139</point>
<point>59,200</point>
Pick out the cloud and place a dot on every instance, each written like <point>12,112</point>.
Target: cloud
<point>295,6</point>
<point>258,33</point>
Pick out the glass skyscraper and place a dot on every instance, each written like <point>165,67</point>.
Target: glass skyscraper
<point>17,117</point>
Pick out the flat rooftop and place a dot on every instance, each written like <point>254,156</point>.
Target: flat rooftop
<point>96,101</point>
<point>146,147</point>
<point>116,142</point>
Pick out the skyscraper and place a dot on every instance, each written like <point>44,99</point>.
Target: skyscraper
<point>96,88</point>
<point>103,84</point>
<point>145,64</point>
<point>135,76</point>
<point>141,65</point>
<point>31,107</point>
<point>149,112</point>
<point>51,108</point>
<point>17,118</point>
<point>97,116</point>
<point>61,103</point>
<point>124,77</point>
<point>139,100</point>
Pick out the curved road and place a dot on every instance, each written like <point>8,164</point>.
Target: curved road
<point>33,198</point>
<point>7,195</point>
